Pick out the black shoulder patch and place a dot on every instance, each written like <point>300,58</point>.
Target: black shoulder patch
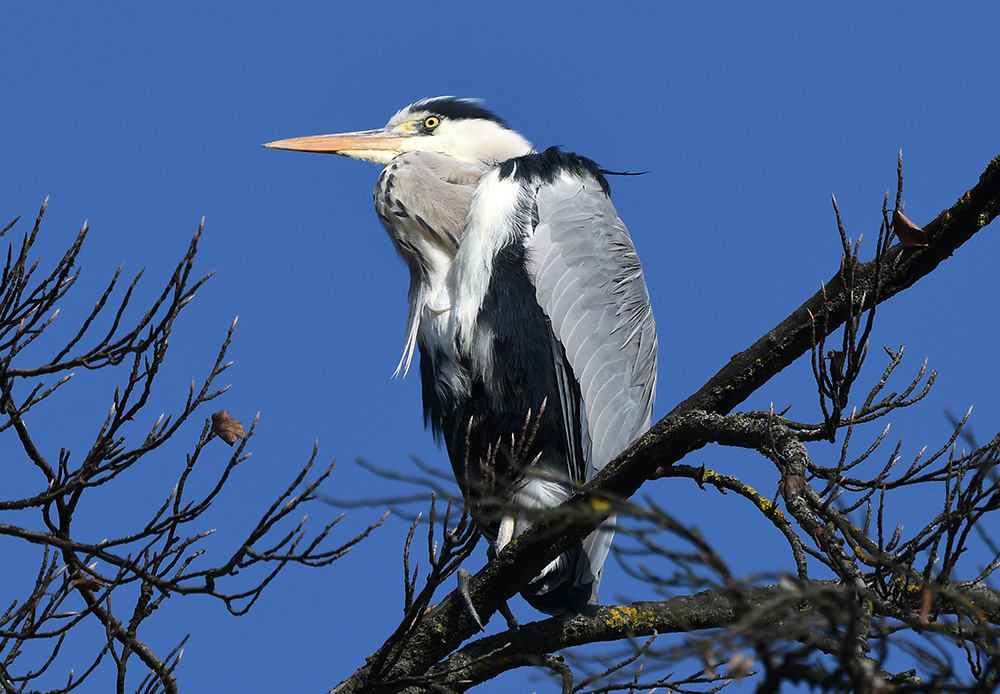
<point>545,166</point>
<point>459,109</point>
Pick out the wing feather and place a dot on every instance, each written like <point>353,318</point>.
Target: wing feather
<point>582,268</point>
<point>590,285</point>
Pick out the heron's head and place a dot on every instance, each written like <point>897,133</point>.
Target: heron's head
<point>457,128</point>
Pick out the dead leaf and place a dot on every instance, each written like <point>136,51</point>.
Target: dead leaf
<point>909,234</point>
<point>88,583</point>
<point>226,427</point>
<point>836,365</point>
<point>792,486</point>
<point>925,603</point>
<point>740,666</point>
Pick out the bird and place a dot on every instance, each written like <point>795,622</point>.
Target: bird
<point>530,311</point>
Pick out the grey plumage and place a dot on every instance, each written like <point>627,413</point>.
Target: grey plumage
<point>589,283</point>
<point>526,298</point>
<point>424,199</point>
<point>598,336</point>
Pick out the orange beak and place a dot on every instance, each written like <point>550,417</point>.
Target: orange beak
<point>370,145</point>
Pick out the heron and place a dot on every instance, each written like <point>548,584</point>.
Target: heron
<point>530,311</point>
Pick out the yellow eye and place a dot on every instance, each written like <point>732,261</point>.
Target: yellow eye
<point>431,122</point>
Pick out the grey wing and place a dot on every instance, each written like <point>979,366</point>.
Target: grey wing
<point>590,284</point>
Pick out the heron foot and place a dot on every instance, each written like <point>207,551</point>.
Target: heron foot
<point>504,609</point>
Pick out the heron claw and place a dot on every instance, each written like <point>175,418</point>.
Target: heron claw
<point>463,590</point>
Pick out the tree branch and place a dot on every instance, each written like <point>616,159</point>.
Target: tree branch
<point>676,435</point>
<point>488,657</point>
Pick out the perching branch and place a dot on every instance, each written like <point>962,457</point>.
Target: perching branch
<point>685,429</point>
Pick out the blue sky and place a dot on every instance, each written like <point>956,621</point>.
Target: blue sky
<point>745,116</point>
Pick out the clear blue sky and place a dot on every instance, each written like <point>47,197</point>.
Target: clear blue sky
<point>745,116</point>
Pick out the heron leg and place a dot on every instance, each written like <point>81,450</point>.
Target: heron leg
<point>505,533</point>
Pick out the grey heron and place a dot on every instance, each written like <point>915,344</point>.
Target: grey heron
<point>526,296</point>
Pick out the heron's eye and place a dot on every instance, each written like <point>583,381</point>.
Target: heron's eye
<point>431,122</point>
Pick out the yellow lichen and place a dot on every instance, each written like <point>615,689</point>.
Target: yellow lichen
<point>907,586</point>
<point>630,617</point>
<point>763,504</point>
<point>712,477</point>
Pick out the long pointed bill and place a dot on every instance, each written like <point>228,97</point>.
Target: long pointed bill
<point>379,146</point>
